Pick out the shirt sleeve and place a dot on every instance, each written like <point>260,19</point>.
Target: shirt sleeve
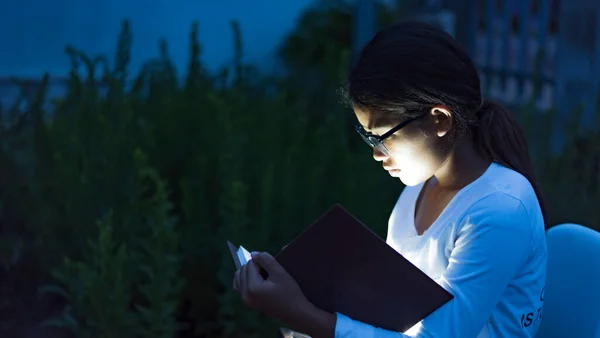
<point>491,245</point>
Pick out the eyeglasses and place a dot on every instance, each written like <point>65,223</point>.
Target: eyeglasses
<point>376,141</point>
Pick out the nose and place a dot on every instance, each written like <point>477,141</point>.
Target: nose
<point>379,155</point>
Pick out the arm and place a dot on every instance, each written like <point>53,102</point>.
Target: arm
<point>489,249</point>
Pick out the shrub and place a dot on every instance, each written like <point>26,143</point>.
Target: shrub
<point>123,191</point>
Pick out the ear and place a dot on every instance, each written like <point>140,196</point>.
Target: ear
<point>443,119</point>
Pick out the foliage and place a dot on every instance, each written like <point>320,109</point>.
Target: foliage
<point>128,287</point>
<point>238,157</point>
<point>122,192</point>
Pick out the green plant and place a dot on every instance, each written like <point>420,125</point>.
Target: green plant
<point>169,164</point>
<point>128,287</point>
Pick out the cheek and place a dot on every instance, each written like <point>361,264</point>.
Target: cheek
<point>416,159</point>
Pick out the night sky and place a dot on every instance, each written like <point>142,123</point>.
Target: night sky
<point>35,32</point>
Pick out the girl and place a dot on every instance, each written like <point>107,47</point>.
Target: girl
<point>471,216</point>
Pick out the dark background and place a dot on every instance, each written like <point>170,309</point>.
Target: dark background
<point>121,180</point>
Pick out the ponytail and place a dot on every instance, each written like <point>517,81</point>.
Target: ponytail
<point>498,137</point>
<point>400,68</point>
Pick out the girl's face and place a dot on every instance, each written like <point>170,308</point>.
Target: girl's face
<point>416,151</point>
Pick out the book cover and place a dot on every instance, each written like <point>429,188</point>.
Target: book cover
<point>343,266</point>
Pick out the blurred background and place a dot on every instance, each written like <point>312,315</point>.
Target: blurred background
<point>137,137</point>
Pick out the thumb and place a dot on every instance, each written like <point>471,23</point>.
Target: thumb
<point>268,263</point>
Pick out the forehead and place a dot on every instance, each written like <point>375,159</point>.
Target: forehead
<point>372,122</point>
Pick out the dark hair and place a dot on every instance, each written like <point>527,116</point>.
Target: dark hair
<point>412,65</point>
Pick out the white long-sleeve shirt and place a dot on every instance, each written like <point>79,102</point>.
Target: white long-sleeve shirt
<point>487,248</point>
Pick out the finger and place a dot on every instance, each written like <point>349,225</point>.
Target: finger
<point>236,283</point>
<point>249,275</point>
<point>243,286</point>
<point>254,277</point>
<point>268,263</point>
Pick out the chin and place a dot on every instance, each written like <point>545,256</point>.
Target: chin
<point>411,180</point>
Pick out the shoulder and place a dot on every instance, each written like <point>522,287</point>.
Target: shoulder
<point>498,207</point>
<point>505,201</point>
<point>503,191</point>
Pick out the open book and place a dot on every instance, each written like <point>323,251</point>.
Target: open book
<point>342,266</point>
<point>240,255</point>
<point>287,333</point>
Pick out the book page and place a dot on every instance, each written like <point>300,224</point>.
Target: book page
<point>244,255</point>
<point>287,333</point>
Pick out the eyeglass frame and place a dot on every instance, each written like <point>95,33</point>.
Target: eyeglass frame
<point>376,141</point>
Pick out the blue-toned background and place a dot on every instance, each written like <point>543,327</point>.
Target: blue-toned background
<point>121,181</point>
<point>35,32</point>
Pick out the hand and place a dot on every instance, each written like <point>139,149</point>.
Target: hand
<point>278,296</point>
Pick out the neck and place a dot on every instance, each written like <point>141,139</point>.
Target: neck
<point>463,166</point>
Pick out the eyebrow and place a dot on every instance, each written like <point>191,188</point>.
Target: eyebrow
<point>385,125</point>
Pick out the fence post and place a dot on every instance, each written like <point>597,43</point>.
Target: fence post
<point>577,67</point>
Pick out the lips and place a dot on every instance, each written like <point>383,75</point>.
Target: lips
<point>393,172</point>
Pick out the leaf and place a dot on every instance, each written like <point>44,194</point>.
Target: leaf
<point>65,320</point>
<point>148,271</point>
<point>52,289</point>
